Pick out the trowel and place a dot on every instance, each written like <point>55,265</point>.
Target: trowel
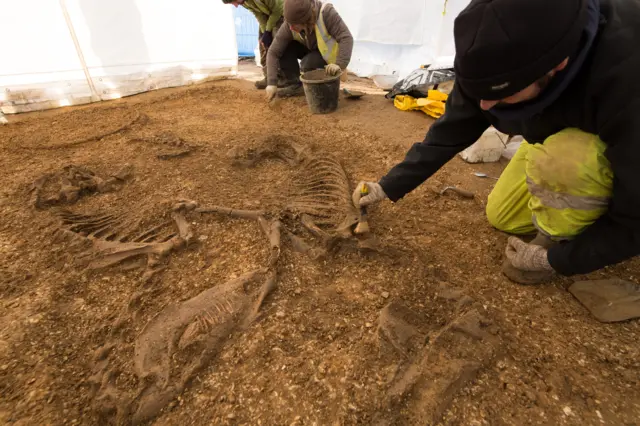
<point>363,221</point>
<point>352,94</point>
<point>366,240</point>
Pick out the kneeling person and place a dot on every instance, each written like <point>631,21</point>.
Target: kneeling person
<point>570,88</point>
<point>269,16</point>
<point>313,32</point>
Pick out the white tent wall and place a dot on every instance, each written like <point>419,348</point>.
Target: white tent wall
<point>394,36</point>
<point>78,51</point>
<point>40,67</point>
<point>131,46</point>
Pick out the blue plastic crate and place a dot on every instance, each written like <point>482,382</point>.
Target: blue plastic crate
<point>247,30</point>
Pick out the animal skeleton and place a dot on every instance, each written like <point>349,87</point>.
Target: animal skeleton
<point>115,240</point>
<point>206,319</point>
<point>321,196</point>
<point>67,186</point>
<point>197,328</point>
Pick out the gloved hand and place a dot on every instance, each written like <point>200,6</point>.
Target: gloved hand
<point>266,39</point>
<point>527,257</point>
<point>376,194</point>
<point>332,69</point>
<point>271,92</point>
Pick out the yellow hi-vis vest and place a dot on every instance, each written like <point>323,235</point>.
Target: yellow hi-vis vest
<point>327,45</point>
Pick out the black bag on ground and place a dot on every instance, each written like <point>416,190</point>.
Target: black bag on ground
<point>419,82</point>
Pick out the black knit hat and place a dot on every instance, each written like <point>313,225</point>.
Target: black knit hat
<point>503,46</point>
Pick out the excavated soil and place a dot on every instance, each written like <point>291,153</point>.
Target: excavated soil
<point>423,329</point>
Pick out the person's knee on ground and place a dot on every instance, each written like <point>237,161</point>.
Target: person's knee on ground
<point>508,203</point>
<point>560,186</point>
<point>496,216</point>
<point>312,61</point>
<point>570,181</point>
<point>289,66</point>
<point>292,86</point>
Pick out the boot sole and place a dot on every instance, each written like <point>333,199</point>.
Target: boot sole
<point>280,86</point>
<point>525,277</point>
<point>291,93</point>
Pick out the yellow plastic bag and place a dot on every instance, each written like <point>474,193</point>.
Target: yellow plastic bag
<point>433,105</point>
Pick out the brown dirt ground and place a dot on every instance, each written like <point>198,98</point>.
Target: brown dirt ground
<point>314,357</point>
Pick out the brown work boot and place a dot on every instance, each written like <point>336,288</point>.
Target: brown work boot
<point>530,277</point>
<point>262,84</point>
<point>291,90</point>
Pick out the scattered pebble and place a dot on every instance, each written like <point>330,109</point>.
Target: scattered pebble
<point>567,411</point>
<point>368,325</point>
<point>385,294</point>
<point>231,416</point>
<point>530,395</point>
<point>280,314</point>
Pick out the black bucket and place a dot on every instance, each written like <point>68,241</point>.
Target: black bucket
<point>321,90</point>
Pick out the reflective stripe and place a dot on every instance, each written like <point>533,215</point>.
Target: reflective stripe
<point>559,201</point>
<point>559,188</point>
<point>327,45</point>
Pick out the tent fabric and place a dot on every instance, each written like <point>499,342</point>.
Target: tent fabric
<point>398,37</point>
<point>247,31</point>
<point>87,50</point>
<point>69,52</point>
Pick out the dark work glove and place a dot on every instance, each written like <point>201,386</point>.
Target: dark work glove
<point>267,38</point>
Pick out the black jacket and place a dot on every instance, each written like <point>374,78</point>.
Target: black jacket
<point>603,99</point>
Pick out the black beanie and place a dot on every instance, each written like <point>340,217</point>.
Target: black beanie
<point>503,46</point>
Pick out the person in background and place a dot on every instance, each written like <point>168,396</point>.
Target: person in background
<point>269,16</point>
<point>313,32</point>
<point>570,87</point>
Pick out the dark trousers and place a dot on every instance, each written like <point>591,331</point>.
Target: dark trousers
<point>264,50</point>
<point>309,60</point>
